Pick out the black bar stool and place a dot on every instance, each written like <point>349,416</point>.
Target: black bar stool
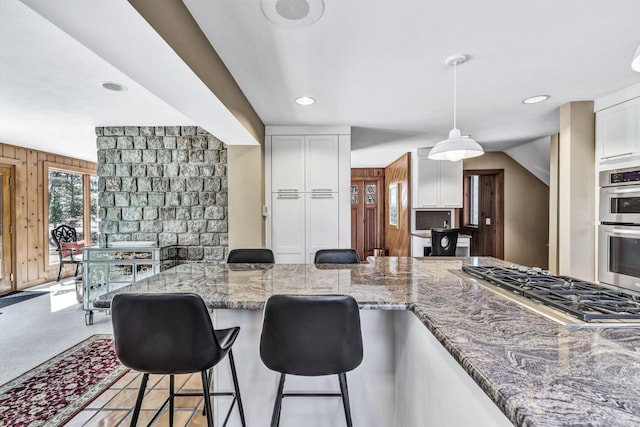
<point>337,256</point>
<point>172,334</point>
<point>311,336</point>
<point>254,256</point>
<point>444,241</point>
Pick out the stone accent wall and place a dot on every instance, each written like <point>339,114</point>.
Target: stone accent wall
<point>167,184</point>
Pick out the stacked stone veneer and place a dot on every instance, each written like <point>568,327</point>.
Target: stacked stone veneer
<point>165,184</point>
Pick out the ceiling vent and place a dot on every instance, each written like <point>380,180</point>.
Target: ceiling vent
<point>293,13</point>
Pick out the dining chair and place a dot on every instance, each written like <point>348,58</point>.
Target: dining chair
<point>172,334</point>
<point>68,247</point>
<point>311,336</point>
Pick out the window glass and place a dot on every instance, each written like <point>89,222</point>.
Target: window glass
<point>474,201</point>
<point>66,205</point>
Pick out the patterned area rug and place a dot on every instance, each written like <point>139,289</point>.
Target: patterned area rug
<point>52,393</point>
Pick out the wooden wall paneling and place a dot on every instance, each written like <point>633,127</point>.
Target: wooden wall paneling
<point>30,202</point>
<point>33,214</point>
<point>398,241</point>
<point>21,226</point>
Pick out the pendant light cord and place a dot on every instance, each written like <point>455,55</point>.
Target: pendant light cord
<point>455,96</point>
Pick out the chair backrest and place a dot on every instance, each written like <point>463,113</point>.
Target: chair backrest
<point>164,333</point>
<point>337,256</point>
<point>64,234</point>
<point>444,241</point>
<point>311,335</point>
<point>256,256</point>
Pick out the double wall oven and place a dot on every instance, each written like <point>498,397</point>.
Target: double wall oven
<point>619,229</point>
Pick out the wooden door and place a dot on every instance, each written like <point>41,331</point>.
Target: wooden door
<point>482,215</point>
<point>6,232</point>
<point>367,214</point>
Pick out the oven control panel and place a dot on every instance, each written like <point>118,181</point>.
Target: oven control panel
<point>620,177</point>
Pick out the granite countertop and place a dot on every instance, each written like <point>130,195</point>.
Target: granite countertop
<point>537,372</point>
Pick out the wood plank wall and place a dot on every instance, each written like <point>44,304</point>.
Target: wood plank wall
<point>30,220</point>
<point>398,241</point>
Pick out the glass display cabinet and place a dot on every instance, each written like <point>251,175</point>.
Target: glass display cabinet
<point>107,269</point>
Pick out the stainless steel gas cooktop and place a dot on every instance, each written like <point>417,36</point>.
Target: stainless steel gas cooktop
<point>587,302</point>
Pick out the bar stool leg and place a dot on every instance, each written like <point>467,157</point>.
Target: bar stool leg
<point>345,398</point>
<point>171,399</point>
<point>207,398</point>
<point>237,388</point>
<point>275,419</point>
<point>136,410</point>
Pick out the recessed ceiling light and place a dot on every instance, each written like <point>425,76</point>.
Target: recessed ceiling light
<point>293,13</point>
<point>535,99</point>
<point>116,87</point>
<point>305,100</point>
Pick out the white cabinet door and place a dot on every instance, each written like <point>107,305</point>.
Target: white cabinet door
<point>439,183</point>
<point>288,227</point>
<point>618,130</point>
<point>321,163</point>
<point>322,223</point>
<point>428,183</point>
<point>451,184</point>
<point>287,163</point>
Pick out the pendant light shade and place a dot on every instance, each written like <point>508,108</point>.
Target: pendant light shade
<point>455,147</point>
<point>635,63</point>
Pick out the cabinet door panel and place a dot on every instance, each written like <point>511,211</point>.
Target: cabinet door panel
<point>288,228</point>
<point>451,184</point>
<point>322,163</point>
<point>322,223</point>
<point>428,182</point>
<point>287,163</point>
<point>618,130</point>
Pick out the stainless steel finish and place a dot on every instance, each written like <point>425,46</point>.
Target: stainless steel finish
<point>609,193</point>
<point>617,156</point>
<point>605,176</point>
<point>550,313</point>
<point>605,275</point>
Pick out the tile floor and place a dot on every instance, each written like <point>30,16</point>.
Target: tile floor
<point>114,407</point>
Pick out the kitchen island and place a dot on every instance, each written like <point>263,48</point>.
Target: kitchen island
<point>536,372</point>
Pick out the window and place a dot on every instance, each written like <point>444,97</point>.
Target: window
<point>474,201</point>
<point>73,200</point>
<point>471,209</point>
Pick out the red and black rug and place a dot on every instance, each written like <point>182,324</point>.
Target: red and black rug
<point>52,393</point>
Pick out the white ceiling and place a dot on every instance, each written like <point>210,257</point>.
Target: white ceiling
<point>375,65</point>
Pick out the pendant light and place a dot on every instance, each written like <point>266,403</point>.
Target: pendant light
<point>635,63</point>
<point>456,147</point>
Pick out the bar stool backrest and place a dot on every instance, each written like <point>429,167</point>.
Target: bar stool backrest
<point>311,335</point>
<point>254,256</point>
<point>444,241</point>
<point>164,333</point>
<point>337,256</point>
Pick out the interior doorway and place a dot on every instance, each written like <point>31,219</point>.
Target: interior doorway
<point>367,210</point>
<point>7,282</point>
<point>482,215</point>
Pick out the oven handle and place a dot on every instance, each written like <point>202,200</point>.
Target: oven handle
<point>623,231</point>
<point>622,190</point>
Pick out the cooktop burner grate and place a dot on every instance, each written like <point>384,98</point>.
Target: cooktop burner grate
<point>585,300</point>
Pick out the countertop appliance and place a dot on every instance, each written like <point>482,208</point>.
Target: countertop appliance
<point>583,302</point>
<point>619,229</point>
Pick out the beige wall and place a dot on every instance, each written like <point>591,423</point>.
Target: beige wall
<point>245,172</point>
<point>576,188</point>
<point>526,210</point>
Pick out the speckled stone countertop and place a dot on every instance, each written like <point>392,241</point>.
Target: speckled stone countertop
<point>538,372</point>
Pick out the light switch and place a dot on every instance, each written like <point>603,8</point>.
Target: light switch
<point>487,221</point>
